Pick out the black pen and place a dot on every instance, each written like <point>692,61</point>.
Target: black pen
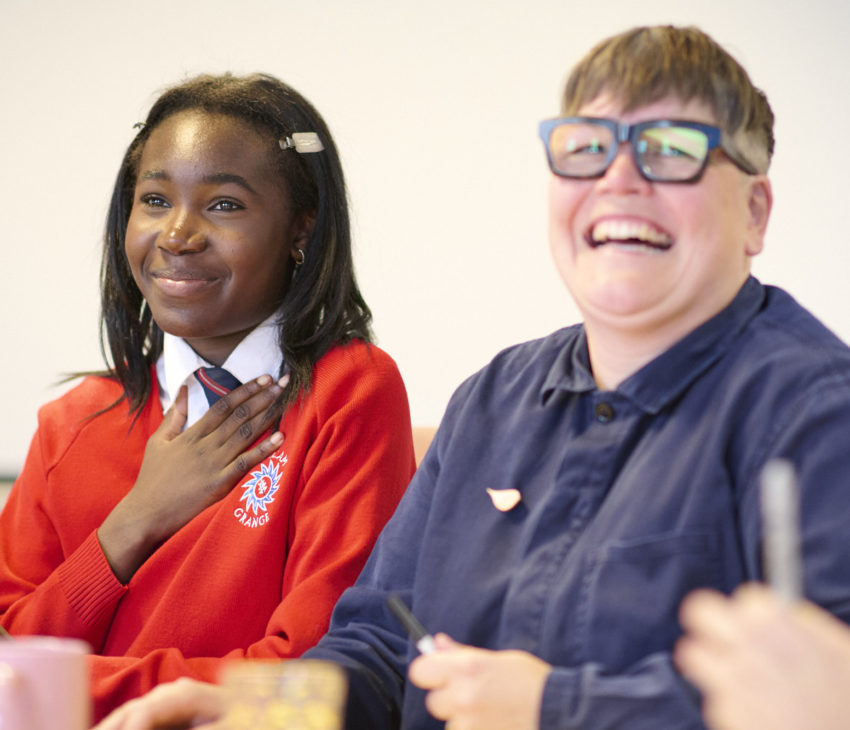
<point>421,638</point>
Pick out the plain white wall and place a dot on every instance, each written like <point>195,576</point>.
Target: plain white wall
<point>434,107</point>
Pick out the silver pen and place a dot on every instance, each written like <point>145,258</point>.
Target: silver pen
<point>780,507</point>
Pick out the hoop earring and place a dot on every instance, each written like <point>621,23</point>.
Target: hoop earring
<point>299,261</point>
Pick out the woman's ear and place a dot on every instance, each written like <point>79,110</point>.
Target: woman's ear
<point>760,203</point>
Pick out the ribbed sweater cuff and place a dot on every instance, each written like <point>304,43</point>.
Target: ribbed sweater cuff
<point>88,582</point>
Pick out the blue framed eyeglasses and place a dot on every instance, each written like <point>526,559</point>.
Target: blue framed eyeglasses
<point>664,150</point>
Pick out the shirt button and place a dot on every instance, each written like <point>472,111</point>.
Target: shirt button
<point>604,412</point>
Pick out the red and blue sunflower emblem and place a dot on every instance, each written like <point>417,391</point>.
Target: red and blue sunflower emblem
<point>259,490</point>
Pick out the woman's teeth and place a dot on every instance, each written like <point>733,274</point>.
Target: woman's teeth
<point>629,232</point>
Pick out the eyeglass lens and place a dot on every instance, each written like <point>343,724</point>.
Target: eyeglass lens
<point>585,149</point>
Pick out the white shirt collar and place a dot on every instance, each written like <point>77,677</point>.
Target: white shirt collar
<point>257,354</point>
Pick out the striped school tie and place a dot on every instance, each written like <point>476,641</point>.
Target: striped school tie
<point>216,382</point>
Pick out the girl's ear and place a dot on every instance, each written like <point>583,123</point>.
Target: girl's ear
<point>303,231</point>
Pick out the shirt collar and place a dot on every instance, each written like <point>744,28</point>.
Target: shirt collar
<point>257,354</point>
<point>667,376</point>
<point>571,369</point>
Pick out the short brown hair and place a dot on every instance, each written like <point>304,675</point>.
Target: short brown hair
<point>645,64</point>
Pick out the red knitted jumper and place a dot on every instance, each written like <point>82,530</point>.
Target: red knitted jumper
<point>254,575</point>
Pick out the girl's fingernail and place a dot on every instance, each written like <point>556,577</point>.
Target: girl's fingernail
<point>264,379</point>
<point>284,381</point>
<point>276,438</point>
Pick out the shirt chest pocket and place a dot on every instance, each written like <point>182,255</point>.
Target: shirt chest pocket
<point>630,603</point>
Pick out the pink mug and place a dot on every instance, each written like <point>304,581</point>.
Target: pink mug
<point>44,684</point>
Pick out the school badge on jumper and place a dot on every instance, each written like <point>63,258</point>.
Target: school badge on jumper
<point>258,492</point>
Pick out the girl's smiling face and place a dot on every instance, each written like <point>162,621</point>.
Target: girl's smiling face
<point>211,233</point>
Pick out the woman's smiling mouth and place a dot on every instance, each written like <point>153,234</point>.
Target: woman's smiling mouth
<point>631,233</point>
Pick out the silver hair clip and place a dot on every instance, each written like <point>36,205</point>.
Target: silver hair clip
<point>302,142</point>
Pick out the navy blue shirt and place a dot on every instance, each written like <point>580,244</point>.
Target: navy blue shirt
<point>630,499</point>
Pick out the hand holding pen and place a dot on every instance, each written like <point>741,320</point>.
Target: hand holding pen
<point>756,654</point>
<point>470,687</point>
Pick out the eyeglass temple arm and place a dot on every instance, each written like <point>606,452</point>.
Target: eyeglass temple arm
<point>728,146</point>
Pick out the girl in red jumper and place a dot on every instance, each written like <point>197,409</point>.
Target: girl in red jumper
<point>171,534</point>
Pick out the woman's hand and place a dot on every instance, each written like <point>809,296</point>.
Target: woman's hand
<point>477,689</point>
<point>184,472</point>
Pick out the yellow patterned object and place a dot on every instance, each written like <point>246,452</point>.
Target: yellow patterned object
<point>299,694</point>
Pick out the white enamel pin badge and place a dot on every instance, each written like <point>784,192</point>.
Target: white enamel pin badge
<point>505,500</point>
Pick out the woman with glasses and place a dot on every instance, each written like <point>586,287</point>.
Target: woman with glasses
<point>582,484</point>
